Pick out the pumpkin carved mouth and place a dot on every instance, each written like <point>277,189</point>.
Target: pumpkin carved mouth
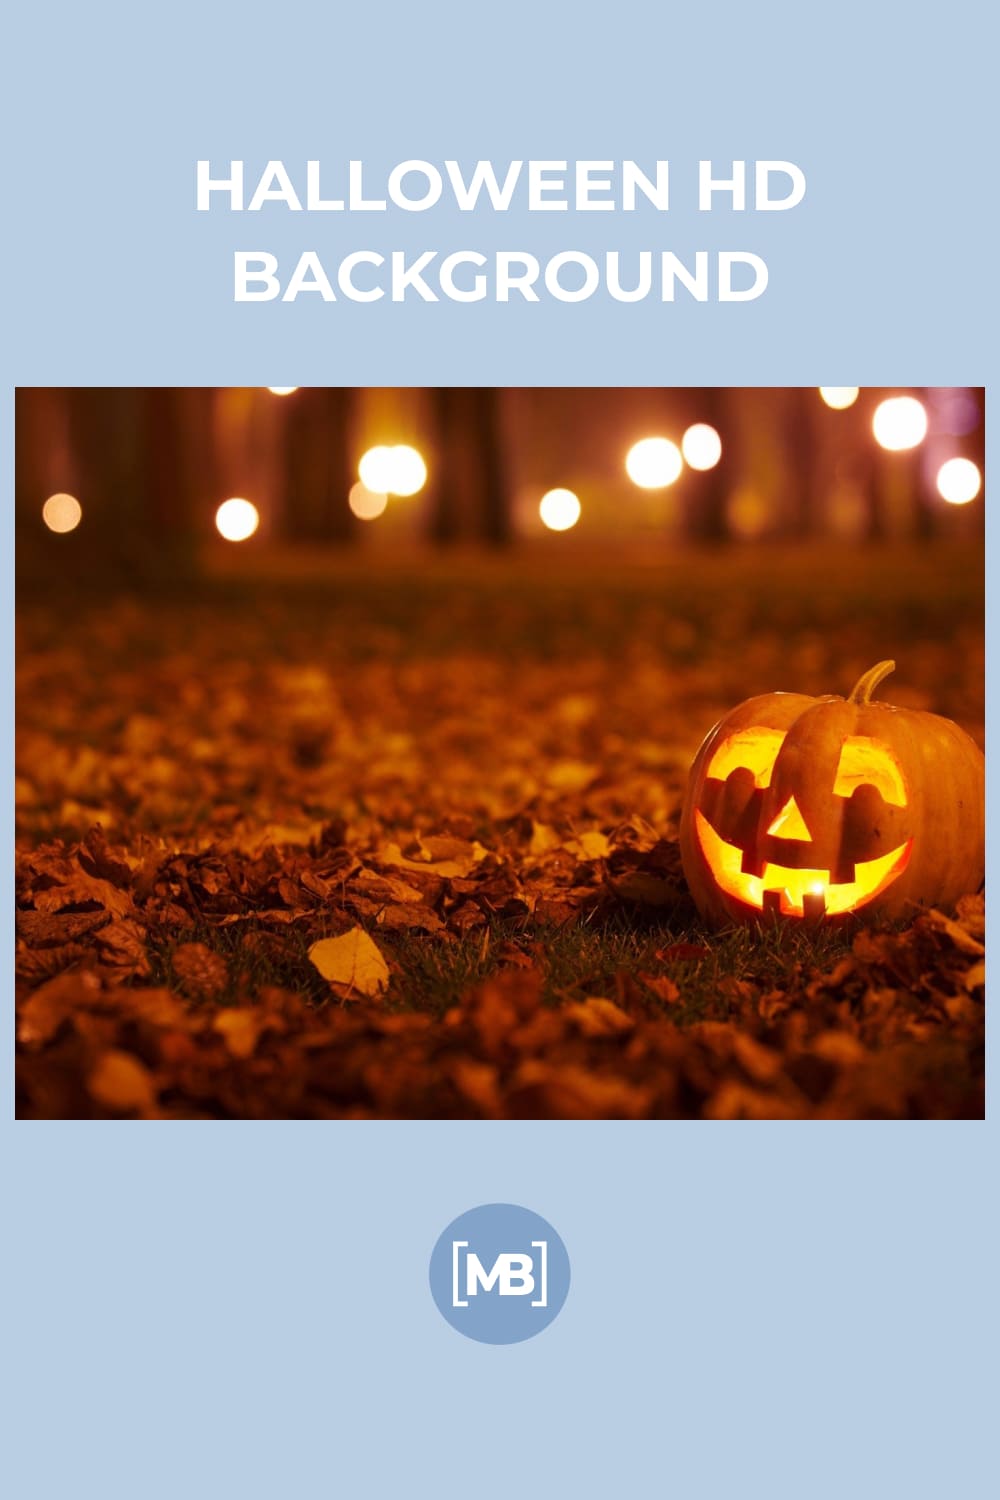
<point>795,892</point>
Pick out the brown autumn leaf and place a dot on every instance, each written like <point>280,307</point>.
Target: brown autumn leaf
<point>441,856</point>
<point>122,945</point>
<point>956,931</point>
<point>598,1017</point>
<point>81,889</point>
<point>120,1083</point>
<point>47,930</point>
<point>352,964</point>
<point>43,1012</point>
<point>241,1028</point>
<point>200,973</point>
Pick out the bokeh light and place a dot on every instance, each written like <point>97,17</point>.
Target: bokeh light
<point>959,481</point>
<point>282,390</point>
<point>748,513</point>
<point>701,446</point>
<point>839,397</point>
<point>847,510</point>
<point>62,512</point>
<point>237,519</point>
<point>366,504</point>
<point>559,509</point>
<point>899,423</point>
<point>409,472</point>
<point>376,469</point>
<point>653,463</point>
<point>393,471</point>
<point>956,410</point>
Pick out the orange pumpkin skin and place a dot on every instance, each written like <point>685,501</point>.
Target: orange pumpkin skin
<point>827,808</point>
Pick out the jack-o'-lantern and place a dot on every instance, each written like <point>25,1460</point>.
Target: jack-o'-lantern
<point>804,807</point>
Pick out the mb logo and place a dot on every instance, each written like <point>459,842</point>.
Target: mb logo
<point>512,1275</point>
<point>499,1273</point>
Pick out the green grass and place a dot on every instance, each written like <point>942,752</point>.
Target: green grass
<point>578,961</point>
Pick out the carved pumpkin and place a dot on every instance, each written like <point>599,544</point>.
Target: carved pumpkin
<point>823,807</point>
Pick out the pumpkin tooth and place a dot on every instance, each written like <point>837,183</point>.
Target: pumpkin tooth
<point>814,905</point>
<point>771,902</point>
<point>752,863</point>
<point>844,872</point>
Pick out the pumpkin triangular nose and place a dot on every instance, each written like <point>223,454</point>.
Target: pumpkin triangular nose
<point>790,824</point>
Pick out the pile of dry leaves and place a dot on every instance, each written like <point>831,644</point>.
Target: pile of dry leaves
<point>415,855</point>
<point>894,1028</point>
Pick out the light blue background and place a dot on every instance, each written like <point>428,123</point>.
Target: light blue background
<point>782,1311</point>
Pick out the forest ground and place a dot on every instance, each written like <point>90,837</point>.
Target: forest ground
<point>469,770</point>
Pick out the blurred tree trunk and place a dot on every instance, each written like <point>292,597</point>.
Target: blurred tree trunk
<point>804,487</point>
<point>318,469</point>
<point>495,497</point>
<point>707,517</point>
<point>470,498</point>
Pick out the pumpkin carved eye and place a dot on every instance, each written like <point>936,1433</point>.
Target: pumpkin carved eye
<point>755,750</point>
<point>865,761</point>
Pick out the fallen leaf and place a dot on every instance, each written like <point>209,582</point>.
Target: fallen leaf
<point>598,1017</point>
<point>240,1028</point>
<point>963,940</point>
<point>200,972</point>
<point>441,856</point>
<point>121,1083</point>
<point>352,963</point>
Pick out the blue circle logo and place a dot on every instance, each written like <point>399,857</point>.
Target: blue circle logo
<point>499,1273</point>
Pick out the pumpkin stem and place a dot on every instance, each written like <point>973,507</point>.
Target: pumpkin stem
<point>866,685</point>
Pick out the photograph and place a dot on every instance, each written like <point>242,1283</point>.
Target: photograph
<point>500,753</point>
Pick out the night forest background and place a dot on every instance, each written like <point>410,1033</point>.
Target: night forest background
<point>454,742</point>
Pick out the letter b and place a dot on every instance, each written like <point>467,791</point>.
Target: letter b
<point>262,270</point>
<point>517,1269</point>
